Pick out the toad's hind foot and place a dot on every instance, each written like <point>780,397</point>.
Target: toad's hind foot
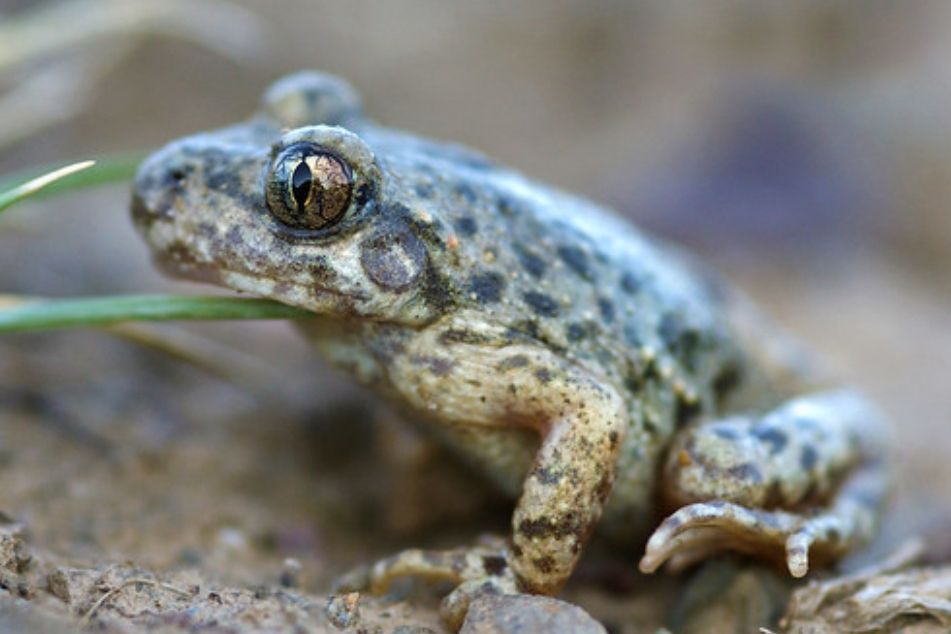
<point>700,530</point>
<point>480,569</point>
<point>800,484</point>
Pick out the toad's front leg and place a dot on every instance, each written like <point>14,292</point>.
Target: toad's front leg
<point>571,478</point>
<point>582,422</point>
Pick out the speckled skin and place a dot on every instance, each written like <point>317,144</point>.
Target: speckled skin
<point>579,364</point>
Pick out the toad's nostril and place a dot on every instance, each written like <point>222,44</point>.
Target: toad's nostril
<point>155,192</point>
<point>175,175</point>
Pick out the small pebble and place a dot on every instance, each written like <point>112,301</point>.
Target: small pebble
<point>343,609</point>
<point>526,614</point>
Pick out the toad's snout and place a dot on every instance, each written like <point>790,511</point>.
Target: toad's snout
<point>160,185</point>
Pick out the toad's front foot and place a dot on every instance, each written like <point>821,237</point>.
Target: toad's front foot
<point>480,569</point>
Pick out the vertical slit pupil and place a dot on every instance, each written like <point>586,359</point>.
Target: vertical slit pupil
<point>301,182</point>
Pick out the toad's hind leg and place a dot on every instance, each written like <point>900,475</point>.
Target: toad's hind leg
<point>805,481</point>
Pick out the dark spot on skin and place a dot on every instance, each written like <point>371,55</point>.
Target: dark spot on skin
<point>440,366</point>
<point>606,306</point>
<point>651,371</point>
<point>576,332</point>
<point>516,361</point>
<point>671,328</point>
<point>613,438</point>
<point>747,471</point>
<point>808,457</point>
<point>543,375</point>
<point>726,433</point>
<point>321,271</point>
<point>576,259</point>
<point>454,335</point>
<point>544,564</point>
<point>525,328</point>
<point>680,339</point>
<point>385,349</point>
<point>424,189</point>
<point>222,178</point>
<point>428,230</point>
<point>629,283</point>
<point>233,237</point>
<point>494,565</point>
<point>547,476</point>
<point>466,192</point>
<point>542,304</point>
<point>437,365</point>
<point>508,206</point>
<point>436,292</point>
<point>221,175</point>
<point>466,226</point>
<point>487,287</point>
<point>726,380</point>
<point>543,527</point>
<point>393,258</point>
<point>207,230</point>
<point>685,412</point>
<point>774,437</point>
<point>530,261</point>
<point>632,336</point>
<point>636,377</point>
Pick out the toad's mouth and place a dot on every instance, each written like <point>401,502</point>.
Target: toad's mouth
<point>178,263</point>
<point>321,300</point>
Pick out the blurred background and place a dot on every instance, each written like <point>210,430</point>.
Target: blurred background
<point>802,148</point>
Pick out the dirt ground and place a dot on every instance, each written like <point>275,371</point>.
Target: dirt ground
<point>141,492</point>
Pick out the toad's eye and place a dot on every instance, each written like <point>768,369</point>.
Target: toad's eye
<point>308,187</point>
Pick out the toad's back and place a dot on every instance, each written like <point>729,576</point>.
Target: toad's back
<point>565,272</point>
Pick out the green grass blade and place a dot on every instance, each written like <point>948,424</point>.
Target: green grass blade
<point>27,314</point>
<point>26,189</point>
<point>46,181</point>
